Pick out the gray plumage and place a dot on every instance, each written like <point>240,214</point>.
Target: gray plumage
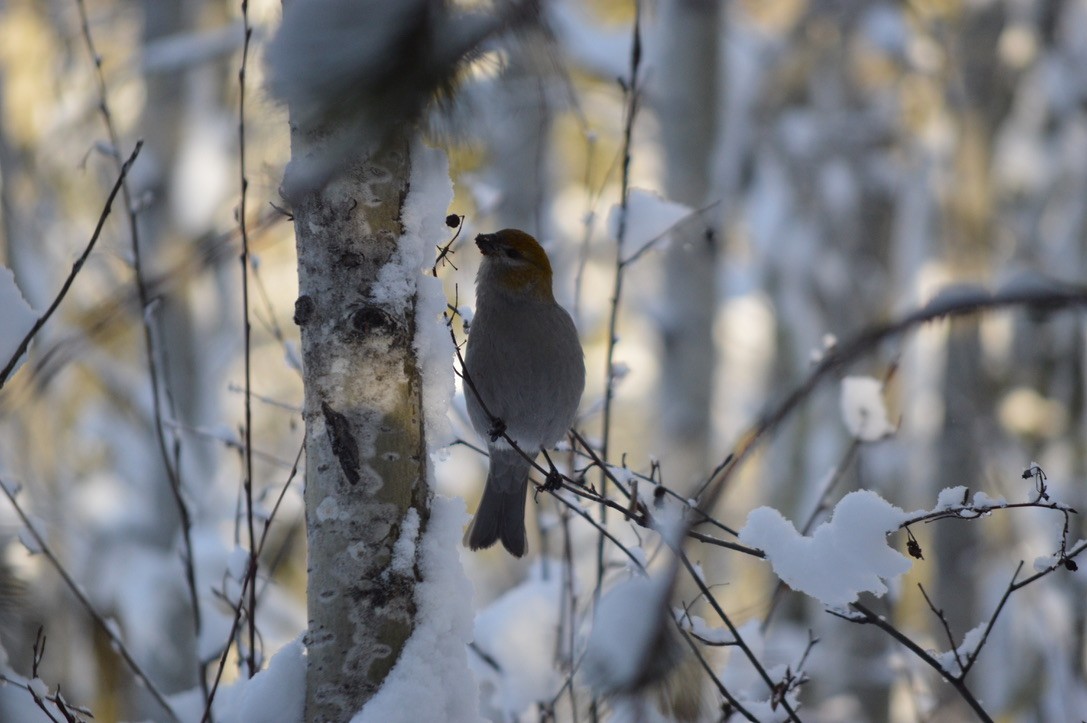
<point>525,361</point>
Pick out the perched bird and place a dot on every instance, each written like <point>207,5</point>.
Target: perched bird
<point>525,374</point>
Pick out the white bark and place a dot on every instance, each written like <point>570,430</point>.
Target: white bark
<point>685,98</point>
<point>365,447</point>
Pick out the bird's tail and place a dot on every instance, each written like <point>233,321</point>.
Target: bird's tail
<point>501,513</point>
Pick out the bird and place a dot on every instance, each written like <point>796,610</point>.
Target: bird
<point>524,375</point>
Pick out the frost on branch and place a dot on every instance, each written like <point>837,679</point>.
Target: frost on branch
<point>845,556</point>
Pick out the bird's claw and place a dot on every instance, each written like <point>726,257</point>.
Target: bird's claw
<point>553,481</point>
<point>498,428</point>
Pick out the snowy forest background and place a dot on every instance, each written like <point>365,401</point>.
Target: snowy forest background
<point>800,172</point>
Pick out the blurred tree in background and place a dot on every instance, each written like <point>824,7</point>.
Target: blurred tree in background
<point>823,167</point>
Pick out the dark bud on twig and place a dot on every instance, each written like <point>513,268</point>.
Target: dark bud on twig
<point>913,546</point>
<point>1070,564</point>
<point>452,220</point>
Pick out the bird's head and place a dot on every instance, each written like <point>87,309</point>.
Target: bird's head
<point>514,263</point>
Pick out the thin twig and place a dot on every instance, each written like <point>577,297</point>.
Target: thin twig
<point>106,315</point>
<point>251,654</point>
<point>869,617</point>
<point>248,581</point>
<point>76,267</point>
<point>56,700</point>
<point>852,349</point>
<point>717,682</point>
<point>740,642</point>
<point>664,234</point>
<point>37,654</point>
<point>946,625</point>
<point>76,590</point>
<point>631,91</point>
<point>172,473</point>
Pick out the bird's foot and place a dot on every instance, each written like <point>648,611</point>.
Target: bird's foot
<point>498,428</point>
<point>554,477</point>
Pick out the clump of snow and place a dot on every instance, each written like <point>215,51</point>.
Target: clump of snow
<point>669,515</point>
<point>698,627</point>
<point>17,318</point>
<point>431,680</point>
<point>424,228</point>
<point>949,661</point>
<point>519,633</point>
<point>983,500</point>
<point>648,217</point>
<point>372,77</point>
<point>951,497</point>
<point>277,693</point>
<point>863,410</point>
<point>632,638</point>
<point>404,549</point>
<point>747,684</point>
<point>845,556</point>
<point>38,687</point>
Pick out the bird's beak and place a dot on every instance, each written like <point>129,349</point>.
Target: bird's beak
<point>488,245</point>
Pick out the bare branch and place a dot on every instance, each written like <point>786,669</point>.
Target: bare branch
<point>76,590</point>
<point>76,267</point>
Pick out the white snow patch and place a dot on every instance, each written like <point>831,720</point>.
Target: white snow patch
<point>845,556</point>
<point>431,680</point>
<point>967,647</point>
<point>649,217</point>
<point>951,497</point>
<point>277,693</point>
<point>863,410</point>
<point>704,631</point>
<point>39,687</point>
<point>626,626</point>
<point>424,228</point>
<point>519,632</point>
<point>404,549</point>
<point>983,500</point>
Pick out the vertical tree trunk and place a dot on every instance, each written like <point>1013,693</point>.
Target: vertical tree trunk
<point>686,97</point>
<point>365,448</point>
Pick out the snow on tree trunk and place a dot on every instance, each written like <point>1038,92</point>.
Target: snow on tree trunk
<point>685,98</point>
<point>365,448</point>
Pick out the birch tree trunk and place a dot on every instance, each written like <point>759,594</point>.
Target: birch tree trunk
<point>365,447</point>
<point>686,95</point>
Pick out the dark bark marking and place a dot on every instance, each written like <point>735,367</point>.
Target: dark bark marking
<point>343,442</point>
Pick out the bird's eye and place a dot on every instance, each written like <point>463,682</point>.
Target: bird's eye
<point>513,253</point>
